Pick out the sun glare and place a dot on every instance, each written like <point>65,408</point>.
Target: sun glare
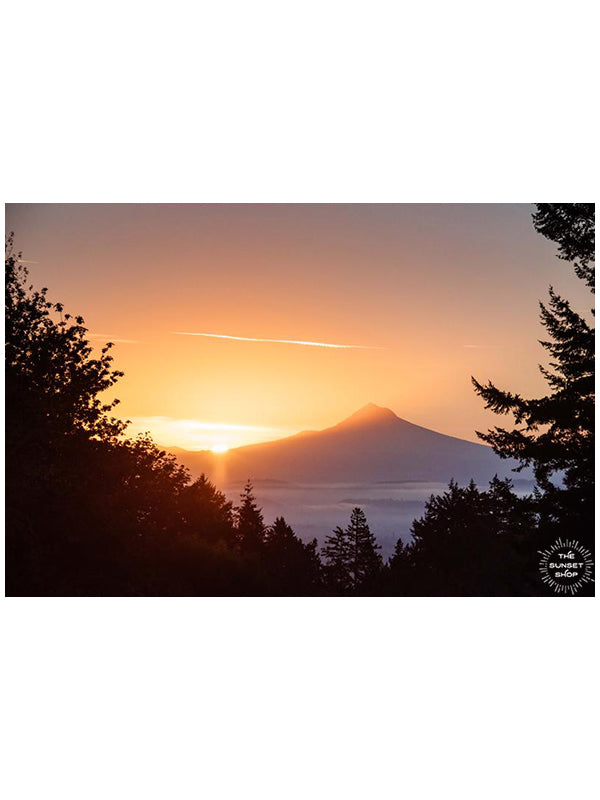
<point>220,448</point>
<point>194,434</point>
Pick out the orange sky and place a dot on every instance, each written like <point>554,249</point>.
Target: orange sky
<point>427,295</point>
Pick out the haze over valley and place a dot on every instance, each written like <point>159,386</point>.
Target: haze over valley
<point>373,459</point>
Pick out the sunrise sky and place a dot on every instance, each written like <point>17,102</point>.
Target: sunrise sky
<point>240,323</point>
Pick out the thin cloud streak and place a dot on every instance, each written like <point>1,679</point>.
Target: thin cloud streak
<point>194,434</point>
<point>194,424</point>
<point>107,338</point>
<point>279,341</point>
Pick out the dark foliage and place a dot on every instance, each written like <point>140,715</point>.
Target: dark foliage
<point>572,227</point>
<point>90,512</point>
<point>555,433</point>
<point>469,542</point>
<point>294,566</point>
<point>476,543</point>
<point>250,530</point>
<point>351,556</point>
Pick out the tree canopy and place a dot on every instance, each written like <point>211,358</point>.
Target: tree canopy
<point>351,555</point>
<point>555,433</point>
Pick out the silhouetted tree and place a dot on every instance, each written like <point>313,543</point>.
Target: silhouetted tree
<point>572,227</point>
<point>293,566</point>
<point>56,426</point>
<point>335,559</point>
<point>468,542</point>
<point>364,557</point>
<point>249,523</point>
<point>52,380</point>
<point>87,510</point>
<point>206,512</point>
<point>352,555</point>
<point>555,433</point>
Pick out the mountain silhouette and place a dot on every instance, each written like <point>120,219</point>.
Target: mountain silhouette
<point>372,445</point>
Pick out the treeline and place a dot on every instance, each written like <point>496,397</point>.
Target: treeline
<point>90,512</point>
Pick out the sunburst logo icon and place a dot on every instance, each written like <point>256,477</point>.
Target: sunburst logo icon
<point>566,566</point>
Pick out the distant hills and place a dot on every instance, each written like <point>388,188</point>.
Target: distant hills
<point>371,446</point>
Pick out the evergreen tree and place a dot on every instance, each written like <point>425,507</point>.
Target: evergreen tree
<point>206,512</point>
<point>572,227</point>
<point>364,557</point>
<point>249,523</point>
<point>468,542</point>
<point>335,554</point>
<point>351,555</point>
<point>555,433</point>
<point>294,566</point>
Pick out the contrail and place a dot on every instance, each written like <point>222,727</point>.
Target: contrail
<point>279,341</point>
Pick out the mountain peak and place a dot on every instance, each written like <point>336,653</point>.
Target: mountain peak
<point>370,414</point>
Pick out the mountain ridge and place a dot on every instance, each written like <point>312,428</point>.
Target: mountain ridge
<point>371,445</point>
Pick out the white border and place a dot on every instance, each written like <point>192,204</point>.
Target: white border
<point>314,101</point>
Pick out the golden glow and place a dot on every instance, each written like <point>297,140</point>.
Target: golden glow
<point>193,434</point>
<point>220,448</point>
<point>430,285</point>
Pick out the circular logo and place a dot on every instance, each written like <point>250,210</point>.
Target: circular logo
<point>566,566</point>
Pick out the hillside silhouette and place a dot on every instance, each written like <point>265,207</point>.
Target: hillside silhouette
<point>372,445</point>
